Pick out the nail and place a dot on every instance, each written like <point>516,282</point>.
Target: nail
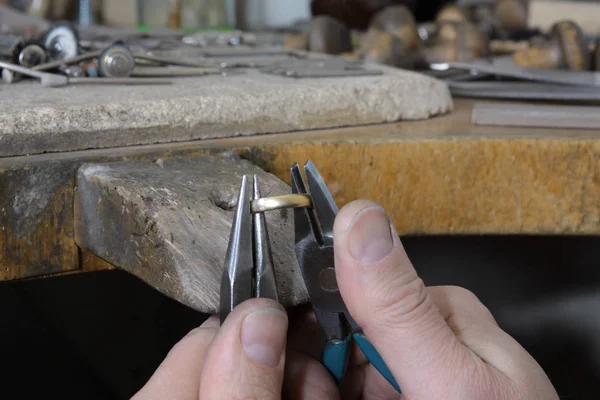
<point>264,333</point>
<point>370,235</point>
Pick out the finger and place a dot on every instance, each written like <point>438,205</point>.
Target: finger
<point>246,358</point>
<point>475,326</point>
<point>387,298</point>
<point>304,334</point>
<point>307,379</point>
<point>178,376</point>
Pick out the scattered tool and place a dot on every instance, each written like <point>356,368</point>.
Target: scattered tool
<point>248,271</point>
<point>116,61</point>
<point>314,251</point>
<point>61,41</point>
<point>173,71</point>
<point>566,50</point>
<point>56,80</point>
<point>47,79</point>
<point>319,68</point>
<point>33,54</point>
<point>328,35</point>
<point>536,116</point>
<point>574,78</point>
<point>523,91</point>
<point>67,61</point>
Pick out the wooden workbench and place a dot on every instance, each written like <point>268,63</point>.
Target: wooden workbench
<point>437,176</point>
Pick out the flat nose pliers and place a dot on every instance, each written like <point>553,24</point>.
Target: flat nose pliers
<point>314,251</point>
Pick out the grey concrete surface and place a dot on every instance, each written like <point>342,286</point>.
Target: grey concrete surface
<point>34,119</point>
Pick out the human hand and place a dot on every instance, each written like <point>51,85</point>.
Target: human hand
<point>439,342</point>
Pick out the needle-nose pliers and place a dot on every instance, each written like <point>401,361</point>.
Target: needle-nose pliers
<point>248,269</point>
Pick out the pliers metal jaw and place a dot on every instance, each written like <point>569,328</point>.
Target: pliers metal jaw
<point>314,251</point>
<point>248,268</point>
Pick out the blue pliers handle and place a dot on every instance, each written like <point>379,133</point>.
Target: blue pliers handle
<point>313,228</point>
<point>336,354</point>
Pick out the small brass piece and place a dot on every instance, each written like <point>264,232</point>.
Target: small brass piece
<point>399,21</point>
<point>279,202</point>
<point>511,15</point>
<point>457,42</point>
<point>328,35</point>
<point>566,50</point>
<point>296,42</point>
<point>387,49</point>
<point>452,13</point>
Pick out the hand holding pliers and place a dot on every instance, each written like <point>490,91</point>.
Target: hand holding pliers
<point>249,268</point>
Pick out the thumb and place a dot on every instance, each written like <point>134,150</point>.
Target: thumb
<point>246,358</point>
<point>387,298</point>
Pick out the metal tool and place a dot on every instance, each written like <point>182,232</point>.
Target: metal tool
<point>319,68</point>
<point>523,91</point>
<point>173,71</point>
<point>314,251</point>
<point>32,55</point>
<point>173,61</point>
<point>67,61</point>
<point>116,61</point>
<point>248,268</point>
<point>55,80</point>
<point>575,78</point>
<point>9,76</point>
<point>536,116</point>
<point>61,42</point>
<point>47,79</point>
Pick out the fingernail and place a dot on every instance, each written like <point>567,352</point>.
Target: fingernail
<point>264,333</point>
<point>370,235</point>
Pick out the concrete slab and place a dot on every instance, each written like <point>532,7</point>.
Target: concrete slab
<point>34,119</point>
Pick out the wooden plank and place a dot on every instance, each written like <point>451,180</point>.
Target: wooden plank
<point>36,218</point>
<point>169,225</point>
<point>438,176</point>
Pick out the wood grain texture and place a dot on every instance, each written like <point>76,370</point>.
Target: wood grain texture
<point>169,224</point>
<point>439,176</point>
<point>36,220</point>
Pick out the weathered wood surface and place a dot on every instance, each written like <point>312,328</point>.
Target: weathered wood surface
<point>438,176</point>
<point>35,120</point>
<point>168,223</point>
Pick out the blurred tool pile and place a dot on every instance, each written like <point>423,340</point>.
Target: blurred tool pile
<point>61,55</point>
<point>481,48</point>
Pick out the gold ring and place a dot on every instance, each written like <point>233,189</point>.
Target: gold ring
<point>278,202</point>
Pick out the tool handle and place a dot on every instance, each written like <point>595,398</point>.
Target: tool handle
<point>335,357</point>
<point>375,359</point>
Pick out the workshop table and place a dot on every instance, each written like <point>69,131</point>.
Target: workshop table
<point>437,176</point>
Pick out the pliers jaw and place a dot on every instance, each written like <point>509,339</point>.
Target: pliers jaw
<point>248,268</point>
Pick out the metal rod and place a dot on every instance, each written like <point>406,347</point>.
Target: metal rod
<point>121,81</point>
<point>538,116</point>
<point>178,71</point>
<point>67,61</point>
